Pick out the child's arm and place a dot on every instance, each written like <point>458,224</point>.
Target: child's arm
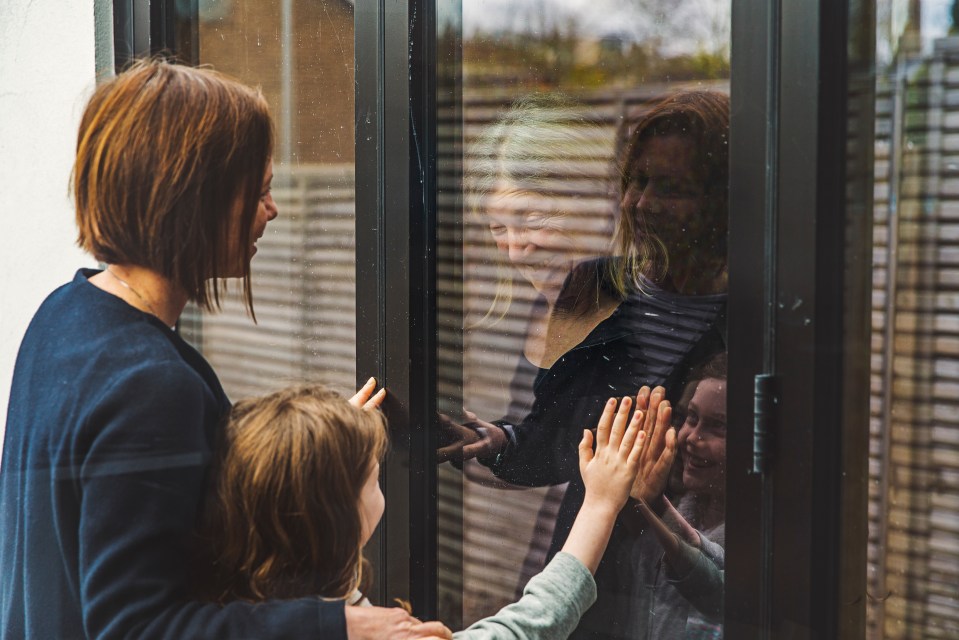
<point>672,535</point>
<point>608,474</point>
<point>554,600</point>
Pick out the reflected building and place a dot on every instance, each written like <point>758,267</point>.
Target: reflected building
<point>914,426</point>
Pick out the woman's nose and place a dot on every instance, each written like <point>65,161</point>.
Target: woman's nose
<point>272,211</point>
<point>518,245</point>
<point>645,203</point>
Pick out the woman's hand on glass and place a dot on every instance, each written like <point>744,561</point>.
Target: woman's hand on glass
<point>659,445</point>
<point>472,439</point>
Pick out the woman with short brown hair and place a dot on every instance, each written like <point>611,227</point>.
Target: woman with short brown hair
<point>170,161</point>
<point>113,418</point>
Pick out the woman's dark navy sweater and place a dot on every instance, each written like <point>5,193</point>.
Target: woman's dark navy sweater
<point>110,429</point>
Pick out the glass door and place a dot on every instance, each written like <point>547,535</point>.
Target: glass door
<point>748,203</point>
<point>581,177</point>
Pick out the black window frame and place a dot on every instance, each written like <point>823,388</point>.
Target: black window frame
<point>800,260</point>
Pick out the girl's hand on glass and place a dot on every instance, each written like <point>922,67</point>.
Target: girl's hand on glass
<point>365,399</point>
<point>610,471</point>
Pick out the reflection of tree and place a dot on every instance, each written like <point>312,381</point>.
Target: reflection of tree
<point>677,27</point>
<point>547,46</point>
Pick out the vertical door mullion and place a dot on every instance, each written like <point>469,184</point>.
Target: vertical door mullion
<point>792,72</point>
<point>395,275</point>
<point>131,31</point>
<point>423,334</point>
<point>368,21</point>
<point>749,304</point>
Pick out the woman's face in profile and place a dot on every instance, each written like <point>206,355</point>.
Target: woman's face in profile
<point>241,250</point>
<point>535,234</point>
<point>666,194</point>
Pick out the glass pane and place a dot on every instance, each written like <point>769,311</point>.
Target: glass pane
<point>583,205</point>
<point>301,55</point>
<point>914,436</point>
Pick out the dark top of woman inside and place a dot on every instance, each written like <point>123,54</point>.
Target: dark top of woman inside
<point>113,419</point>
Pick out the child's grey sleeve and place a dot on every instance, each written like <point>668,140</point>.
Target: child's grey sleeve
<point>551,606</point>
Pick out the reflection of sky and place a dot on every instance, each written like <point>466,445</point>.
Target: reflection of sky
<point>935,21</point>
<point>677,26</point>
<point>892,15</point>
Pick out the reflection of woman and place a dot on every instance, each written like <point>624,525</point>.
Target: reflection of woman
<point>113,417</point>
<point>539,179</point>
<point>667,292</point>
<point>539,203</point>
<point>538,182</point>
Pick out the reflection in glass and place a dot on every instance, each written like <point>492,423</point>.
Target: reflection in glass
<point>914,431</point>
<point>593,263</point>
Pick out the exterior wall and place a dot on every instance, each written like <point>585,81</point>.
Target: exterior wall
<point>47,68</point>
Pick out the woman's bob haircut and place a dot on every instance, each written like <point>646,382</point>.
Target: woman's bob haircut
<point>166,157</point>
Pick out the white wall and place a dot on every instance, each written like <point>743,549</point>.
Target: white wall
<point>47,69</point>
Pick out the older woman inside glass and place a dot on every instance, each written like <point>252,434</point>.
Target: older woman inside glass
<point>113,418</point>
<point>642,319</point>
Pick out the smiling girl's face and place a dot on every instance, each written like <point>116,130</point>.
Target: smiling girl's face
<point>702,439</point>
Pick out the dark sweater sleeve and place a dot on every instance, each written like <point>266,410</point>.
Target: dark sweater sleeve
<point>142,457</point>
<point>544,449</point>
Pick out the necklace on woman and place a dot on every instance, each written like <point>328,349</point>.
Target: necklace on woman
<point>134,292</point>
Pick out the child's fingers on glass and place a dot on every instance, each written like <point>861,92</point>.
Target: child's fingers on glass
<point>619,422</point>
<point>605,423</point>
<point>376,400</point>
<point>657,424</point>
<point>361,397</point>
<point>642,398</point>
